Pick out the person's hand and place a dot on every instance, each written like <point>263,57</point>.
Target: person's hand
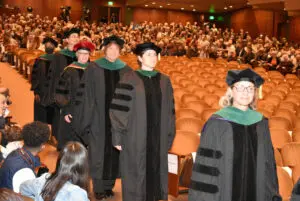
<point>68,118</point>
<point>37,98</point>
<point>118,147</point>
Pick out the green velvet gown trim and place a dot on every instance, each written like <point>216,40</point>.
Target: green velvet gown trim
<point>236,115</point>
<point>68,53</point>
<point>80,64</point>
<point>147,73</point>
<point>47,56</point>
<point>104,63</point>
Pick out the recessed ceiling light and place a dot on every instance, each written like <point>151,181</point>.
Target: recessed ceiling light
<point>225,8</point>
<point>153,3</point>
<point>230,6</point>
<point>160,6</point>
<point>168,4</point>
<point>146,5</point>
<point>194,9</point>
<point>192,6</point>
<point>182,8</point>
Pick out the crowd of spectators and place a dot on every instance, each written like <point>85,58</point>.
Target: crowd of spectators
<point>176,39</point>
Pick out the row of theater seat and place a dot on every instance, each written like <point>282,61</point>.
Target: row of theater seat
<point>199,84</point>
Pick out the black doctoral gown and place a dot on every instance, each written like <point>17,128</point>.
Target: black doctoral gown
<point>60,60</point>
<point>65,98</point>
<point>38,82</point>
<point>92,115</point>
<point>234,162</point>
<point>143,123</point>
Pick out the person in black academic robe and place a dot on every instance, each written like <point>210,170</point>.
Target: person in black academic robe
<point>92,116</point>
<point>143,128</point>
<point>235,159</point>
<point>65,95</point>
<point>38,81</point>
<point>60,60</point>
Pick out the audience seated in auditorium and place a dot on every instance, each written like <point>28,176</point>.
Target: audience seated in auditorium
<point>69,182</point>
<point>13,140</point>
<point>176,39</point>
<point>3,109</point>
<point>20,164</point>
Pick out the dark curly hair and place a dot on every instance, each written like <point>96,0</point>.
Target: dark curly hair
<point>35,134</point>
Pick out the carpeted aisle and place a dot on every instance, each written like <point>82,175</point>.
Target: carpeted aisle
<point>22,112</point>
<point>21,96</point>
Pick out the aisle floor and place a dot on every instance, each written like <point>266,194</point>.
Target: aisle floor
<point>22,112</point>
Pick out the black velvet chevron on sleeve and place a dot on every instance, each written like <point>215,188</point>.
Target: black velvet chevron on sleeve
<point>119,107</point>
<point>204,187</point>
<point>122,97</point>
<point>60,91</point>
<point>61,83</point>
<point>124,86</point>
<point>205,169</point>
<point>210,153</point>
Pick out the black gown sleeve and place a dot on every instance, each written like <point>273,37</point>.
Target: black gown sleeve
<point>35,77</point>
<point>270,173</point>
<point>86,99</point>
<point>171,111</point>
<point>66,90</point>
<point>209,167</point>
<point>121,108</point>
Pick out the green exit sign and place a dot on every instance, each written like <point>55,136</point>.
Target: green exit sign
<point>110,3</point>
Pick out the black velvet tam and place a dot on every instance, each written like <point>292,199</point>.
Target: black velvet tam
<point>50,40</point>
<point>141,48</point>
<point>113,39</point>
<point>234,76</point>
<point>71,31</point>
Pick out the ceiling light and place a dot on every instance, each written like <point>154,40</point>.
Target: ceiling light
<point>182,8</point>
<point>194,9</point>
<point>230,6</point>
<point>225,8</point>
<point>160,6</point>
<point>168,4</point>
<point>192,6</point>
<point>146,5</point>
<point>153,3</point>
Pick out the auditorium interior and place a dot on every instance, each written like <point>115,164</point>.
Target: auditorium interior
<point>200,43</point>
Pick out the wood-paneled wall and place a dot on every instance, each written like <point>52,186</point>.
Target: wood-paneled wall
<point>161,15</point>
<point>295,29</point>
<point>257,21</point>
<point>49,8</point>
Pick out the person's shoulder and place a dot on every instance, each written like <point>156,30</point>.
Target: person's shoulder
<point>73,192</point>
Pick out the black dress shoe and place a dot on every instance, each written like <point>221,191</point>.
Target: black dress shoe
<point>100,196</point>
<point>109,193</point>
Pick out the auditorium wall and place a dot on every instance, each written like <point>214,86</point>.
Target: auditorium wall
<point>49,8</point>
<point>257,21</point>
<point>97,7</point>
<point>161,15</point>
<point>295,29</point>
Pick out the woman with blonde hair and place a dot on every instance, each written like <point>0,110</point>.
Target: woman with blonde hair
<point>235,159</point>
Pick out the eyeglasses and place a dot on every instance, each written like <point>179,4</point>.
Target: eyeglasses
<point>242,89</point>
